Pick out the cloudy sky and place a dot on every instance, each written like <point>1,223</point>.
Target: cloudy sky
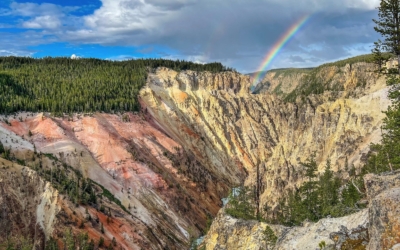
<point>238,33</point>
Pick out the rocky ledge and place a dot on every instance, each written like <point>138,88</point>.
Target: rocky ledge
<point>376,227</point>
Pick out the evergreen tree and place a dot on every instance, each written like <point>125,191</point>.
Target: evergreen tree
<point>101,242</point>
<point>114,241</point>
<point>350,196</point>
<point>385,156</point>
<point>297,208</point>
<point>69,240</point>
<point>388,25</point>
<point>241,204</point>
<point>309,187</point>
<point>269,237</point>
<point>51,244</point>
<point>328,191</point>
<point>379,57</point>
<point>1,148</point>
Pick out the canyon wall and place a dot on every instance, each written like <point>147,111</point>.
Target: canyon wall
<point>233,133</point>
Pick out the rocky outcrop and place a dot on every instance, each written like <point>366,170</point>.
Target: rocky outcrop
<point>355,238</point>
<point>230,233</point>
<point>227,232</point>
<point>383,192</point>
<point>33,211</point>
<point>230,132</point>
<point>376,227</point>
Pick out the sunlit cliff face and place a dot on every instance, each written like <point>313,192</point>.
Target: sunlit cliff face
<point>232,132</point>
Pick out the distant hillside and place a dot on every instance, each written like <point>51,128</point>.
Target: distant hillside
<point>293,82</point>
<point>271,82</point>
<point>66,85</point>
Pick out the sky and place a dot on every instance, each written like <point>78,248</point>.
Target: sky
<point>237,33</point>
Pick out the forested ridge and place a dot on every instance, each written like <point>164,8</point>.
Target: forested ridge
<point>64,85</point>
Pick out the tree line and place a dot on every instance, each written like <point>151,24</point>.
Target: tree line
<point>64,85</point>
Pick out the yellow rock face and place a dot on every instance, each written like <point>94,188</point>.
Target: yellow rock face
<point>231,131</point>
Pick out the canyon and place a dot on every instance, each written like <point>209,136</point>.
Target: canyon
<point>198,135</point>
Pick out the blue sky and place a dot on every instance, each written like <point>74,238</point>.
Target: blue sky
<point>237,33</point>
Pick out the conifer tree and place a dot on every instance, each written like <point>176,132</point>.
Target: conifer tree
<point>269,237</point>
<point>309,187</point>
<point>1,148</point>
<point>379,57</point>
<point>388,25</point>
<point>69,240</point>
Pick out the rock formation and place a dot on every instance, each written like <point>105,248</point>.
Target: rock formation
<point>376,227</point>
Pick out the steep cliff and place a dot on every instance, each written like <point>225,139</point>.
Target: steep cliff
<point>232,132</point>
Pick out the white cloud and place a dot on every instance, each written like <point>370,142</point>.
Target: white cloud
<point>4,52</point>
<point>367,4</point>
<point>42,22</point>
<point>40,16</point>
<point>124,15</point>
<point>34,9</point>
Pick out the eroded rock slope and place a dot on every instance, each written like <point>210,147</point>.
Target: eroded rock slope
<point>232,132</point>
<point>167,191</point>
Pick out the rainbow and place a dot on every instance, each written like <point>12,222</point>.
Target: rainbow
<point>285,38</point>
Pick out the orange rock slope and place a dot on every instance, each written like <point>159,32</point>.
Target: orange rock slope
<point>165,189</point>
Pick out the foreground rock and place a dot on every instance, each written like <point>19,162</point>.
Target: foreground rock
<point>230,233</point>
<point>376,227</point>
<point>384,210</point>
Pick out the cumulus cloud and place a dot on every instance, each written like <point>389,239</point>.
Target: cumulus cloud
<point>34,9</point>
<point>42,22</point>
<point>236,32</point>
<point>73,56</point>
<point>40,16</point>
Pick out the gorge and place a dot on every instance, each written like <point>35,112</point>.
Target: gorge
<point>159,174</point>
